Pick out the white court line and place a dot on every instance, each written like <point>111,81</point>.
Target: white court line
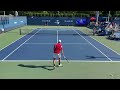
<point>57,36</point>
<point>39,43</point>
<point>94,46</point>
<point>15,40</point>
<point>86,61</point>
<point>103,45</point>
<point>53,43</point>
<point>20,46</point>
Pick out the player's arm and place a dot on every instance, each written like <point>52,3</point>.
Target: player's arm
<point>62,51</point>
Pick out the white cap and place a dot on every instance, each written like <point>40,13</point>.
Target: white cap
<point>59,41</point>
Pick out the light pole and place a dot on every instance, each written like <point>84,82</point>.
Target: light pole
<point>109,16</point>
<point>97,16</point>
<point>16,13</point>
<point>58,13</point>
<point>4,13</point>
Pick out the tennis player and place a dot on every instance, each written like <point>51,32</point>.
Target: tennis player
<point>58,48</point>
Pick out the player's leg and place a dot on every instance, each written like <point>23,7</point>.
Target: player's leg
<point>54,58</point>
<point>59,59</point>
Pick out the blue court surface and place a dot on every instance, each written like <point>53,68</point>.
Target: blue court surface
<point>39,46</point>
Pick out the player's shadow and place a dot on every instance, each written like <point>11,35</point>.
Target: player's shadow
<point>47,67</point>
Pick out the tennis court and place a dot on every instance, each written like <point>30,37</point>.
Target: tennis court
<point>31,55</point>
<point>38,45</point>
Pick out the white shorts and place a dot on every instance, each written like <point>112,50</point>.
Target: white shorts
<point>57,55</point>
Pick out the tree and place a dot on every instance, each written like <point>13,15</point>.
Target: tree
<point>63,13</point>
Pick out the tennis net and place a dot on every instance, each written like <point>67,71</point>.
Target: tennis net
<point>48,31</point>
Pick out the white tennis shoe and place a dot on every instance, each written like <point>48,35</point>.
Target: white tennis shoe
<point>60,65</point>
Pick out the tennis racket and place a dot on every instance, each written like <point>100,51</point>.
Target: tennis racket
<point>65,58</point>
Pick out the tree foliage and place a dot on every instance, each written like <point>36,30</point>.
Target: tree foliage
<point>62,13</point>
